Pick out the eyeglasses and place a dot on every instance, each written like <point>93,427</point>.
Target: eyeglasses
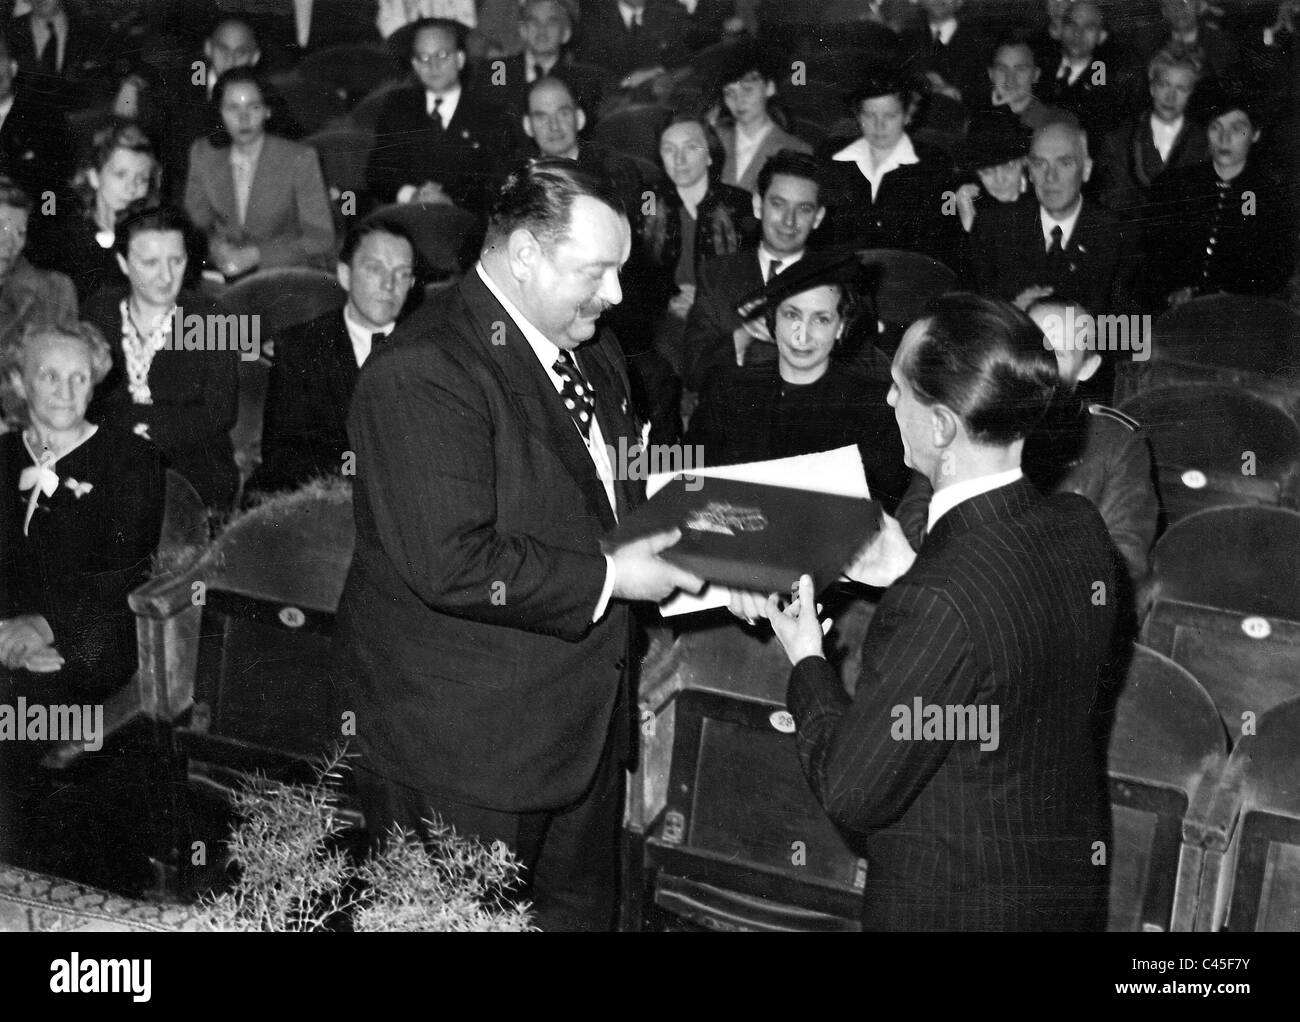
<point>437,57</point>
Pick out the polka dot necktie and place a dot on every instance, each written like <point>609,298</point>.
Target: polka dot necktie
<point>576,393</point>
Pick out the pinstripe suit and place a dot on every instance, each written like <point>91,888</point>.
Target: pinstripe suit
<point>997,610</point>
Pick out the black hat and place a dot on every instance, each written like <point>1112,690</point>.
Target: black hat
<point>1214,97</point>
<point>740,58</point>
<point>816,269</point>
<point>992,139</point>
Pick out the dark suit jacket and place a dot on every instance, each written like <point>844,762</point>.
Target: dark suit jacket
<point>661,40</point>
<point>589,83</point>
<point>195,400</point>
<point>304,426</point>
<point>1098,97</point>
<point>82,55</point>
<point>472,661</point>
<point>34,147</point>
<point>1131,164</point>
<point>719,284</point>
<point>997,611</point>
<point>1009,254</point>
<point>963,62</point>
<point>288,216</point>
<point>463,161</point>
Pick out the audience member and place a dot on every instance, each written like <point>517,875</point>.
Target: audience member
<point>885,190</point>
<point>1086,76</point>
<point>260,199</point>
<point>56,52</point>
<point>1159,139</point>
<point>806,400</point>
<point>1184,28</point>
<point>1055,242</point>
<point>748,132</point>
<point>952,50</point>
<point>118,167</point>
<point>34,147</point>
<point>635,39</point>
<point>438,141</point>
<point>1014,72</point>
<point>994,153</point>
<point>304,430</point>
<point>182,399</point>
<point>27,295</point>
<point>546,28</point>
<point>1225,225</point>
<point>789,208</point>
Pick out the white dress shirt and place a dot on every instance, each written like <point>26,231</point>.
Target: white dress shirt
<point>629,13</point>
<point>747,147</point>
<point>5,107</point>
<point>41,29</point>
<point>547,351</point>
<point>362,336</point>
<point>949,497</point>
<point>1164,135</point>
<point>1070,71</point>
<point>450,100</point>
<point>1066,225</point>
<point>945,30</point>
<point>860,153</point>
<point>766,259</point>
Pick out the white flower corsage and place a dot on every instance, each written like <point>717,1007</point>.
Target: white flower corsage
<point>79,490</point>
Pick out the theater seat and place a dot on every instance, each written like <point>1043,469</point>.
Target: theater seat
<point>1216,446</point>
<point>1261,877</point>
<point>1226,606</point>
<point>312,104</point>
<point>633,130</point>
<point>351,70</point>
<point>343,154</point>
<point>1167,752</point>
<point>1244,341</point>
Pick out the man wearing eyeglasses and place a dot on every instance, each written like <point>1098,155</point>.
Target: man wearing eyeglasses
<point>304,432</point>
<point>437,140</point>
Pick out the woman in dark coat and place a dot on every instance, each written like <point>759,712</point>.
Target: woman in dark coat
<point>81,510</point>
<point>183,400</point>
<point>885,190</point>
<point>807,401</point>
<point>1226,225</point>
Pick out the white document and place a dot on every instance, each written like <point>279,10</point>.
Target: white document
<point>837,472</point>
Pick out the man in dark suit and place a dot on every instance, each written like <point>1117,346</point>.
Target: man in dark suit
<point>546,27</point>
<point>485,634</point>
<point>1084,75</point>
<point>34,150</point>
<point>437,141</point>
<point>55,51</point>
<point>1184,28</point>
<point>953,53</point>
<point>964,766</point>
<point>304,431</point>
<point>789,208</point>
<point>635,39</point>
<point>1055,241</point>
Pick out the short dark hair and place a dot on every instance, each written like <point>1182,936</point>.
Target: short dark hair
<point>538,196</point>
<point>717,152</point>
<point>792,163</point>
<point>247,75</point>
<point>455,29</point>
<point>847,306</point>
<point>139,218</point>
<point>1015,37</point>
<point>984,359</point>
<point>233,19</point>
<point>360,230</point>
<point>911,90</point>
<point>14,196</point>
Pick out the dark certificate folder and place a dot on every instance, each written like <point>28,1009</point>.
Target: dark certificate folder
<point>753,536</point>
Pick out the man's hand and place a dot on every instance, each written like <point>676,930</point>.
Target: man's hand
<point>966,195</point>
<point>888,556</point>
<point>1183,294</point>
<point>22,636</point>
<point>640,574</point>
<point>1029,295</point>
<point>431,194</point>
<point>797,627</point>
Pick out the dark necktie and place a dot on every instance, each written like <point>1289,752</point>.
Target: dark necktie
<point>635,28</point>
<point>377,341</point>
<point>539,72</point>
<point>49,56</point>
<point>576,392</point>
<point>435,117</point>
<point>1055,251</point>
<point>773,268</point>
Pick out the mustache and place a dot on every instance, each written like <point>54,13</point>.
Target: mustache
<point>596,308</point>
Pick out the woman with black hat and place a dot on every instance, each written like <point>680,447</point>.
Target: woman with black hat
<point>1226,225</point>
<point>807,401</point>
<point>992,162</point>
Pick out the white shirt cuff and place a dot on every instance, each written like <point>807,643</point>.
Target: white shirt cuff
<point>606,591</point>
<point>406,193</point>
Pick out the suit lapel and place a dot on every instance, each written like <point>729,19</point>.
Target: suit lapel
<point>614,413</point>
<point>340,362</point>
<point>535,396</point>
<point>993,505</point>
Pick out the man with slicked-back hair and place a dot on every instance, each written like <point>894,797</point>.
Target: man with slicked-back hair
<point>964,767</point>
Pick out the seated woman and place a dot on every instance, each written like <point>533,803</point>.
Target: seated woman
<point>260,199</point>
<point>81,511</point>
<point>693,217</point>
<point>1225,225</point>
<point>184,400</point>
<point>748,130</point>
<point>991,161</point>
<point>806,401</point>
<point>886,191</point>
<point>117,169</point>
